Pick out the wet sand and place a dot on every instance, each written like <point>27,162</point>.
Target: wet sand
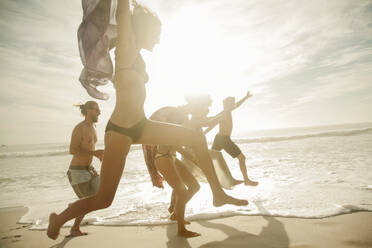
<point>350,230</point>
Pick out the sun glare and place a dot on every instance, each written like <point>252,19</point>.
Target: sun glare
<point>191,55</point>
<point>198,54</point>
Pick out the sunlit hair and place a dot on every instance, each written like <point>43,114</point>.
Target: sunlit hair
<point>142,16</point>
<point>84,107</point>
<point>199,99</point>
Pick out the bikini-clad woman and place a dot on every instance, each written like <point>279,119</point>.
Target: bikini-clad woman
<point>128,124</point>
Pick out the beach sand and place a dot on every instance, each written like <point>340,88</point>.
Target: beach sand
<point>350,230</point>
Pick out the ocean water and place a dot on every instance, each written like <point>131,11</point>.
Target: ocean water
<point>310,172</point>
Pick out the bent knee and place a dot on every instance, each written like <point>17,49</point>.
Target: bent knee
<point>181,193</point>
<point>107,203</point>
<point>194,188</point>
<point>102,202</point>
<point>241,157</point>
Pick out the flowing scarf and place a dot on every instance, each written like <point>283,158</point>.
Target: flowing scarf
<point>97,35</point>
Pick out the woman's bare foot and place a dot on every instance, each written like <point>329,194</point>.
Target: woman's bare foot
<point>236,182</point>
<point>226,199</point>
<point>171,209</point>
<point>75,232</point>
<point>173,217</point>
<point>53,227</point>
<point>187,234</point>
<point>250,183</point>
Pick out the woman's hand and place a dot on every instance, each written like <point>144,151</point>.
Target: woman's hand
<point>99,154</point>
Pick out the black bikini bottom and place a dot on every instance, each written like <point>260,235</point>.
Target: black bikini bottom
<point>134,131</point>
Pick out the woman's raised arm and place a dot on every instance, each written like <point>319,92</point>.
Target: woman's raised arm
<point>126,49</point>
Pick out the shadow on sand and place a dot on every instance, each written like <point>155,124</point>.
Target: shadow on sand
<point>63,243</point>
<point>272,235</point>
<point>175,241</point>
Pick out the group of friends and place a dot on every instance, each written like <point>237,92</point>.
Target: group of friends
<point>168,131</point>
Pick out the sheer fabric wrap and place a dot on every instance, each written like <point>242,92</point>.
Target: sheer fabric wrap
<point>97,35</point>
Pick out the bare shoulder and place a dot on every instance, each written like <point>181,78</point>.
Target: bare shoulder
<point>79,126</point>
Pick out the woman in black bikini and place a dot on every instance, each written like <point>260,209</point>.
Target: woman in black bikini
<point>128,124</point>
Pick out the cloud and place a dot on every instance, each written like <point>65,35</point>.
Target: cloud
<point>348,56</point>
<point>289,53</point>
<point>339,84</point>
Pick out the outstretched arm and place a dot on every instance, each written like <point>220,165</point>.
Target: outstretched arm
<point>240,102</point>
<point>214,120</point>
<point>209,129</point>
<point>213,123</point>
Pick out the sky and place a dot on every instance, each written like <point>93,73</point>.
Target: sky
<point>307,63</point>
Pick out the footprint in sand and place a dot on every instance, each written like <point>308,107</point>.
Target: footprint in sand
<point>20,227</point>
<point>15,238</point>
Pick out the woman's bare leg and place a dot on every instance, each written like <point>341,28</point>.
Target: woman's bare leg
<point>116,150</point>
<point>189,180</point>
<point>166,168</point>
<point>172,202</point>
<point>168,134</point>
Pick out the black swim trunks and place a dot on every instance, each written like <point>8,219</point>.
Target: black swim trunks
<point>223,142</point>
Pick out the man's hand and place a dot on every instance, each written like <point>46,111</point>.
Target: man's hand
<point>99,154</point>
<point>248,94</point>
<point>240,102</point>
